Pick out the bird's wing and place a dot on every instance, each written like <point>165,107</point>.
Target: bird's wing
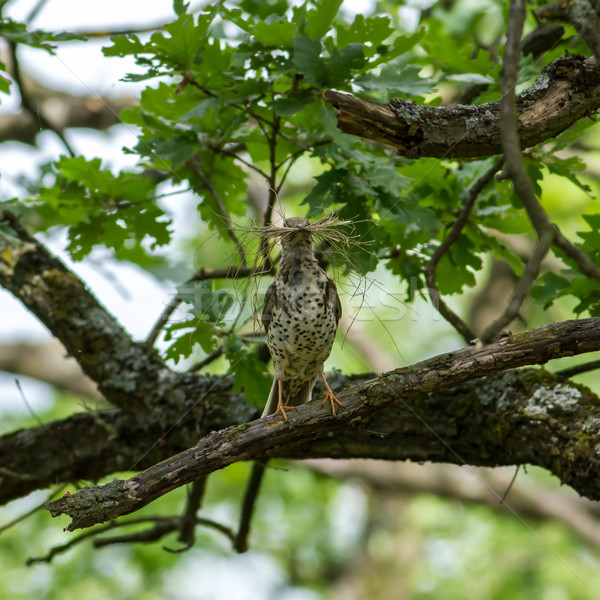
<point>333,296</point>
<point>267,311</point>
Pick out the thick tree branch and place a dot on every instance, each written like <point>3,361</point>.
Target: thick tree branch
<point>566,91</point>
<point>553,419</point>
<point>473,485</point>
<point>46,362</point>
<point>129,374</point>
<point>92,445</point>
<point>66,112</point>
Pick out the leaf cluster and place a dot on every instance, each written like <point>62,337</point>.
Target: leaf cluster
<point>233,98</point>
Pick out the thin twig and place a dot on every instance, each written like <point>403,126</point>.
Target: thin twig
<point>195,494</point>
<point>581,259</point>
<point>222,208</point>
<point>61,548</point>
<point>200,275</point>
<point>26,402</point>
<point>162,526</point>
<point>27,104</point>
<point>515,166</point>
<point>454,234</point>
<point>24,516</point>
<point>578,369</point>
<point>291,160</point>
<point>244,161</point>
<point>33,13</point>
<point>302,150</point>
<point>252,489</point>
<point>207,360</point>
<point>272,141</point>
<point>522,288</point>
<point>510,485</point>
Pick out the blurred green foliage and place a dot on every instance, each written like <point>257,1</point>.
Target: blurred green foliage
<point>234,98</point>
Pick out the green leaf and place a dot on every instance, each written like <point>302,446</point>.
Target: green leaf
<point>17,32</point>
<point>199,332</point>
<point>319,21</point>
<point>251,377</point>
<point>100,208</point>
<point>342,64</point>
<point>180,7</point>
<point>326,191</point>
<point>177,150</point>
<point>294,102</point>
<point>567,167</point>
<point>276,33</point>
<point>411,214</point>
<point>548,288</point>
<point>262,9</point>
<point>457,267</point>
<point>179,47</point>
<point>80,169</point>
<point>387,178</point>
<point>587,291</point>
<point>199,111</point>
<point>4,81</point>
<point>307,58</point>
<point>402,44</point>
<point>124,45</point>
<point>397,80</point>
<point>210,305</point>
<point>373,30</point>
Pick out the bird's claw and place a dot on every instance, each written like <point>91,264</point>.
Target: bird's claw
<point>281,408</point>
<point>330,397</point>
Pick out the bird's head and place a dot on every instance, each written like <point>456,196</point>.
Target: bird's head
<point>298,231</point>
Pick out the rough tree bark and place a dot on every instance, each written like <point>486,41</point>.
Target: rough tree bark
<point>567,90</point>
<point>187,406</point>
<point>467,406</point>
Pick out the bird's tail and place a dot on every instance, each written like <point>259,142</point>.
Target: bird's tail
<point>302,396</point>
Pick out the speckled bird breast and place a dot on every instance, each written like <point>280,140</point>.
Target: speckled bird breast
<point>304,323</point>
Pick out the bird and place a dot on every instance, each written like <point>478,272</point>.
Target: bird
<point>300,316</point>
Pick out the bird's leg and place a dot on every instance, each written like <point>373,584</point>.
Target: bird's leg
<point>330,396</point>
<point>281,407</point>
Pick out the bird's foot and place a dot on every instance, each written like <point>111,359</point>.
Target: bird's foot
<point>330,397</point>
<point>282,408</point>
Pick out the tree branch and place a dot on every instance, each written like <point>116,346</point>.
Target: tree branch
<point>202,274</point>
<point>515,169</point>
<point>196,167</point>
<point>578,369</point>
<point>551,420</point>
<point>566,91</point>
<point>128,374</point>
<point>27,104</point>
<point>46,362</point>
<point>454,234</point>
<point>522,288</point>
<point>585,18</point>
<point>473,485</point>
<point>92,445</point>
<point>65,111</point>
